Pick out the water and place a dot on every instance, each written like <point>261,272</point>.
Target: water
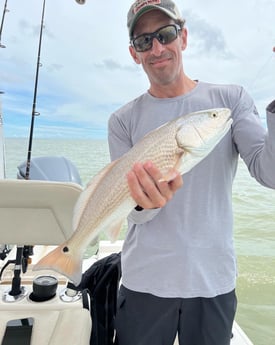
<point>254,210</point>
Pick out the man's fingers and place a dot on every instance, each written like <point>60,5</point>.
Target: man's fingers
<point>149,188</point>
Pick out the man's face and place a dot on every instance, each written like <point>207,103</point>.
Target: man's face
<point>162,63</point>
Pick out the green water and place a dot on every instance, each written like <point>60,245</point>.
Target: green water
<point>254,210</point>
<point>254,213</point>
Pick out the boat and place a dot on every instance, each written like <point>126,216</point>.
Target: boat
<point>36,213</point>
<point>64,312</point>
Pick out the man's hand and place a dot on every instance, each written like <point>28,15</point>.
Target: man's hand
<point>147,187</point>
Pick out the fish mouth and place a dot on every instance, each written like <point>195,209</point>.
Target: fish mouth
<point>226,126</point>
<point>228,123</point>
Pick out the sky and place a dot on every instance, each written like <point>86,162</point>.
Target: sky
<point>87,71</point>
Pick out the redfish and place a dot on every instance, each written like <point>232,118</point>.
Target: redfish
<point>105,203</point>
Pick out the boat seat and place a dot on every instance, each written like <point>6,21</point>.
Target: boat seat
<point>36,212</point>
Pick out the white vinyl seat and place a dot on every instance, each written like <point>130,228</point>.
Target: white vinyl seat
<point>34,212</point>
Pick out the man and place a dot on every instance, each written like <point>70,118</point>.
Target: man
<point>178,260</point>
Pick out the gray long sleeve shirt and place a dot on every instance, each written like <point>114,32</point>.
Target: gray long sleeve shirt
<point>185,249</point>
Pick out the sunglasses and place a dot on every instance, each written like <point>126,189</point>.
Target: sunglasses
<point>165,35</point>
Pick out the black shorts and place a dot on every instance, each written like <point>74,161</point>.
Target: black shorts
<point>144,319</point>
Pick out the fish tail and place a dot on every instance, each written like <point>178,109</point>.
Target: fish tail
<point>64,261</point>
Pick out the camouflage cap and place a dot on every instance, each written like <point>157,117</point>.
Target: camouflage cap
<point>139,7</point>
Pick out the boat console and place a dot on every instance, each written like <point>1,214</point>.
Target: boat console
<point>38,308</point>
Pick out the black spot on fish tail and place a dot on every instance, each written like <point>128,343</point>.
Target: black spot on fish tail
<point>65,250</point>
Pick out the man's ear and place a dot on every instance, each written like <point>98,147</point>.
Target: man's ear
<point>183,39</point>
<point>134,55</point>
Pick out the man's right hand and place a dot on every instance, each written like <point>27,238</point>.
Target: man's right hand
<point>147,187</point>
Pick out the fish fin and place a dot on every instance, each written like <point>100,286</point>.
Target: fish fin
<point>82,201</point>
<point>113,231</point>
<point>63,261</point>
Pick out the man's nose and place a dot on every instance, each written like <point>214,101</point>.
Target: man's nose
<point>157,47</point>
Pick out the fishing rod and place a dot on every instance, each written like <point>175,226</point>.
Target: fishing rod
<point>261,69</point>
<point>2,145</point>
<point>34,112</point>
<point>2,23</point>
<point>27,249</point>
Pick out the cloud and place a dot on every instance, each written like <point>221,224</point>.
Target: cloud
<point>88,72</point>
<point>113,65</point>
<point>206,39</point>
<point>54,67</point>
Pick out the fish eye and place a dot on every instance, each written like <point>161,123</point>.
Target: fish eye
<point>214,115</point>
